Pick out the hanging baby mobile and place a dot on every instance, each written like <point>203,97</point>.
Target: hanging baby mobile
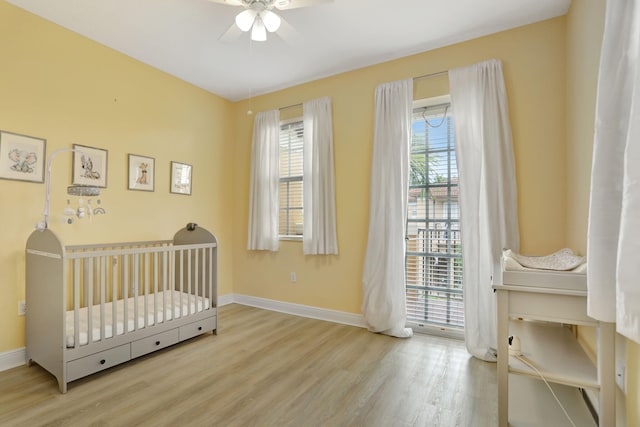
<point>89,175</point>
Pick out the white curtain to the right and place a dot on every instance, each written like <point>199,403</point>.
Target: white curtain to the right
<point>613,244</point>
<point>488,200</point>
<point>264,180</point>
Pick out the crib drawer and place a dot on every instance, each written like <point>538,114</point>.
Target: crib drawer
<point>196,328</point>
<point>97,362</point>
<point>153,343</point>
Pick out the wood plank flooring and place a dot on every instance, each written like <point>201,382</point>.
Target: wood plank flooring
<point>269,369</point>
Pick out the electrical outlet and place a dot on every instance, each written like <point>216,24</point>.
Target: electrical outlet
<point>293,277</point>
<point>621,363</point>
<point>621,378</point>
<point>22,308</point>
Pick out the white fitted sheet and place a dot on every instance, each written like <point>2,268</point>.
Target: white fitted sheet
<point>190,304</point>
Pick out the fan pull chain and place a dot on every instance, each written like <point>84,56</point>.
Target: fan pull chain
<point>249,111</point>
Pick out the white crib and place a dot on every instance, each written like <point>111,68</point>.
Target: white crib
<point>91,307</point>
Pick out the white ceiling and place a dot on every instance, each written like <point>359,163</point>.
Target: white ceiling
<point>181,37</point>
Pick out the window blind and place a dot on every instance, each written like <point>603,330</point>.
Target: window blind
<point>291,155</point>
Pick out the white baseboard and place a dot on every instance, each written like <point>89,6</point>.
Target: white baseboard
<point>12,358</point>
<point>335,316</point>
<point>225,299</point>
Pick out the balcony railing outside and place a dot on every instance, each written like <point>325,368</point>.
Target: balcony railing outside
<point>434,276</point>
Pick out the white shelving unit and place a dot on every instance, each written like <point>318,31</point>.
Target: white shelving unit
<point>536,307</point>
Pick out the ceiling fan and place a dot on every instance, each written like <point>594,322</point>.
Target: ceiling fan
<point>259,17</point>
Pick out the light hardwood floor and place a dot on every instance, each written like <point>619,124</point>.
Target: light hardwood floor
<point>269,369</point>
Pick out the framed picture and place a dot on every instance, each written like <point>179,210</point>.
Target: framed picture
<point>180,178</point>
<point>22,157</point>
<point>89,166</point>
<point>142,172</point>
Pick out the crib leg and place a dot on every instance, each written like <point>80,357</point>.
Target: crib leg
<point>62,385</point>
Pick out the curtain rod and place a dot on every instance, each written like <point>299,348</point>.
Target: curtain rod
<point>427,76</point>
<point>290,106</point>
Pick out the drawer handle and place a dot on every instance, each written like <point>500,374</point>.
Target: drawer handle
<point>102,362</point>
<point>157,342</point>
<point>199,328</point>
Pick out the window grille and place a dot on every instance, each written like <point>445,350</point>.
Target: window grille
<point>433,261</point>
<point>291,155</point>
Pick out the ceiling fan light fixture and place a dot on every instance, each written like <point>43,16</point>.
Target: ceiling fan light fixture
<point>259,32</point>
<point>245,19</point>
<point>271,20</point>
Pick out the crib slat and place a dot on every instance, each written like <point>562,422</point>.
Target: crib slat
<point>204,276</point>
<point>155,288</point>
<point>172,282</point>
<point>190,267</point>
<point>76,303</point>
<point>164,288</point>
<point>125,293</point>
<point>196,284</point>
<point>146,289</point>
<point>181,282</point>
<point>114,296</point>
<point>211,278</point>
<point>103,294</point>
<point>89,278</point>
<point>136,289</point>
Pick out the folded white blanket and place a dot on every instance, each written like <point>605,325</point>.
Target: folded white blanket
<point>562,260</point>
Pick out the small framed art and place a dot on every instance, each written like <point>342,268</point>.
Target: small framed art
<point>22,157</point>
<point>180,178</point>
<point>142,172</point>
<point>89,166</point>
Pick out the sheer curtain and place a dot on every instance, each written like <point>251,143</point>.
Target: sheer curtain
<point>614,220</point>
<point>263,192</point>
<point>488,200</point>
<point>319,183</point>
<point>384,304</point>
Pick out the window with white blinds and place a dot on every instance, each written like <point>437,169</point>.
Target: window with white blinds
<point>291,155</point>
<point>433,261</point>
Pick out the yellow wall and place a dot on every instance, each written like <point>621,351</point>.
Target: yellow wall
<point>64,88</point>
<point>534,66</point>
<point>585,26</point>
<point>67,89</point>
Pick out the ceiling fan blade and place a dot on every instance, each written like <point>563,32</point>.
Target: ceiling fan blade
<point>232,34</point>
<point>228,2</point>
<point>270,20</point>
<point>294,4</point>
<point>287,33</point>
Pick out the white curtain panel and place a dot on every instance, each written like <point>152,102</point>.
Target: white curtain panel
<point>264,181</point>
<point>488,200</point>
<point>384,304</point>
<point>319,235</point>
<point>613,244</point>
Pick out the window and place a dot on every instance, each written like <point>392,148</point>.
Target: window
<point>433,261</point>
<point>291,152</point>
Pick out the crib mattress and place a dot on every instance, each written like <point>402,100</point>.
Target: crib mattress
<point>190,304</point>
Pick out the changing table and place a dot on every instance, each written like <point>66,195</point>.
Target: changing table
<point>536,305</point>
